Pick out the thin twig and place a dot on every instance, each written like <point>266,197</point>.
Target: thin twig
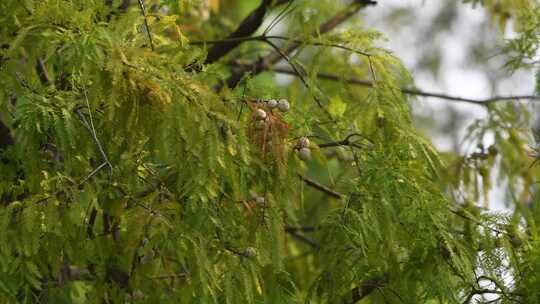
<point>170,276</point>
<point>284,12</point>
<point>304,239</point>
<point>302,229</point>
<point>265,38</point>
<point>44,76</point>
<point>91,128</point>
<point>345,142</point>
<point>143,10</point>
<point>368,83</point>
<point>314,43</point>
<point>321,187</point>
<point>94,172</point>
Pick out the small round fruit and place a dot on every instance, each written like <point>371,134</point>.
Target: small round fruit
<point>283,105</point>
<point>260,114</point>
<point>250,252</point>
<point>272,103</point>
<point>303,142</point>
<point>260,200</point>
<point>304,154</point>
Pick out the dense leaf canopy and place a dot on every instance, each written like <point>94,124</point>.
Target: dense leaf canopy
<point>153,152</point>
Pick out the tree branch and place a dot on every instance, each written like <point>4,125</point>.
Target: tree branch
<point>303,239</point>
<point>345,142</point>
<point>416,92</point>
<point>147,27</point>
<point>302,229</point>
<point>43,74</point>
<point>267,38</point>
<point>321,187</point>
<point>273,58</point>
<point>246,28</point>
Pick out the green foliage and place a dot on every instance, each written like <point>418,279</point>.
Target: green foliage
<point>136,177</point>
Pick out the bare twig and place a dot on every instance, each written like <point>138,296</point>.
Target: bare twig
<point>143,10</point>
<point>96,170</point>
<point>265,38</point>
<point>43,74</point>
<point>321,187</point>
<point>277,19</point>
<point>92,130</point>
<point>304,239</point>
<point>315,43</point>
<point>302,229</point>
<point>368,83</point>
<point>345,142</point>
<point>171,276</point>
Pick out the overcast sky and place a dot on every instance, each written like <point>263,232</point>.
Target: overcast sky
<point>457,76</point>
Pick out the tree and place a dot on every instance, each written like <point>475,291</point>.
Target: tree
<point>149,153</point>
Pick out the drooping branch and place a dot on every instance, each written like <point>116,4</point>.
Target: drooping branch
<point>416,92</point>
<point>246,28</point>
<point>274,57</point>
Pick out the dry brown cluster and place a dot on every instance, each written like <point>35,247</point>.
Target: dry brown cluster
<point>268,131</point>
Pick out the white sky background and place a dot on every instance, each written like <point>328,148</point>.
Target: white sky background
<point>457,77</point>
